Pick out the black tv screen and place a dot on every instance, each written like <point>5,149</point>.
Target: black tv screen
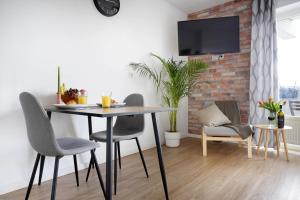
<point>209,36</point>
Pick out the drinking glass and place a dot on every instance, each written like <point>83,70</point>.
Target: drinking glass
<point>82,98</point>
<point>106,99</point>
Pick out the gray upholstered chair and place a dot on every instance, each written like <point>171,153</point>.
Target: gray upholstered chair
<point>42,139</point>
<point>125,128</point>
<point>234,132</point>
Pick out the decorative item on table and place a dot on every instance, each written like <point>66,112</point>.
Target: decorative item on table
<point>82,98</point>
<point>271,118</point>
<point>58,94</point>
<point>70,97</point>
<point>273,107</point>
<point>280,118</point>
<point>106,100</point>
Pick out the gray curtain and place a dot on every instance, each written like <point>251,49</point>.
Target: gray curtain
<point>263,71</point>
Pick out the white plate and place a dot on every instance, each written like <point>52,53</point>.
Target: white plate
<point>74,106</point>
<point>114,105</point>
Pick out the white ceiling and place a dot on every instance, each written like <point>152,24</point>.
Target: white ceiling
<point>190,6</point>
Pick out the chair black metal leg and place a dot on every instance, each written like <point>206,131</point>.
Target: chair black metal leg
<point>119,154</point>
<point>43,158</point>
<point>49,113</point>
<point>54,181</point>
<point>160,158</point>
<point>91,165</point>
<point>89,170</point>
<point>32,176</point>
<point>109,144</point>
<point>76,169</point>
<point>115,168</point>
<point>142,157</point>
<point>41,169</point>
<point>98,172</point>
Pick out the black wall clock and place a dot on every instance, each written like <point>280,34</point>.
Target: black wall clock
<point>107,8</point>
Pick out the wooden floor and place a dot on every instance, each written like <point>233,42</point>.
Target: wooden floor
<point>226,173</point>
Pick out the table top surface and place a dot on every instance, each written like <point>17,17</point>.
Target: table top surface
<point>271,127</point>
<point>110,112</point>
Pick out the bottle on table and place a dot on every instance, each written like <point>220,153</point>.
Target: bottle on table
<point>280,118</point>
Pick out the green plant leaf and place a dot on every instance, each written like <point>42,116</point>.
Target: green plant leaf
<point>180,80</point>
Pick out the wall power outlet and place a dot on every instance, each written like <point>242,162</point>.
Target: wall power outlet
<point>217,57</point>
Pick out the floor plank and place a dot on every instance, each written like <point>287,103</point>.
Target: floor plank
<point>225,174</point>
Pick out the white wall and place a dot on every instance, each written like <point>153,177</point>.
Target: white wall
<point>93,51</point>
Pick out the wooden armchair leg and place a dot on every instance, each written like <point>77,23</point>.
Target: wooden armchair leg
<point>204,144</point>
<point>250,146</point>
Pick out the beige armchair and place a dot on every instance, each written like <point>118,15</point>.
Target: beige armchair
<point>234,132</point>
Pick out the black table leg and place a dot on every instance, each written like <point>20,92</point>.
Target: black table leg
<point>160,158</point>
<point>109,145</point>
<point>90,125</point>
<point>115,168</point>
<point>90,133</point>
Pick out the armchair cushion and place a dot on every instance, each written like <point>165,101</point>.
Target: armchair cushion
<point>212,116</point>
<point>220,131</point>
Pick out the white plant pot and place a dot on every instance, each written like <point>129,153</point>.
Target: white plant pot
<point>172,139</point>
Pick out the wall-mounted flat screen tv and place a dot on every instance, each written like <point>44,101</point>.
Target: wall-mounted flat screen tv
<point>209,36</point>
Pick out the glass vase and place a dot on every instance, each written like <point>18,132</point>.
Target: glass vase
<point>272,119</point>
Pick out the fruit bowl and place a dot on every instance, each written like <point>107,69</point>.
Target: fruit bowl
<point>70,96</point>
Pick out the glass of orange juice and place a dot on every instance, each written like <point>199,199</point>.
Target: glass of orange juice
<point>82,98</point>
<point>106,100</point>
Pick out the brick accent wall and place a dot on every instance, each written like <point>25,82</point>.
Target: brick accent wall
<point>227,79</point>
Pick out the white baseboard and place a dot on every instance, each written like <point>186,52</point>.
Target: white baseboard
<point>10,186</point>
<point>20,184</point>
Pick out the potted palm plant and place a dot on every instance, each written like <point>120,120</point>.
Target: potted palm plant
<point>174,81</point>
